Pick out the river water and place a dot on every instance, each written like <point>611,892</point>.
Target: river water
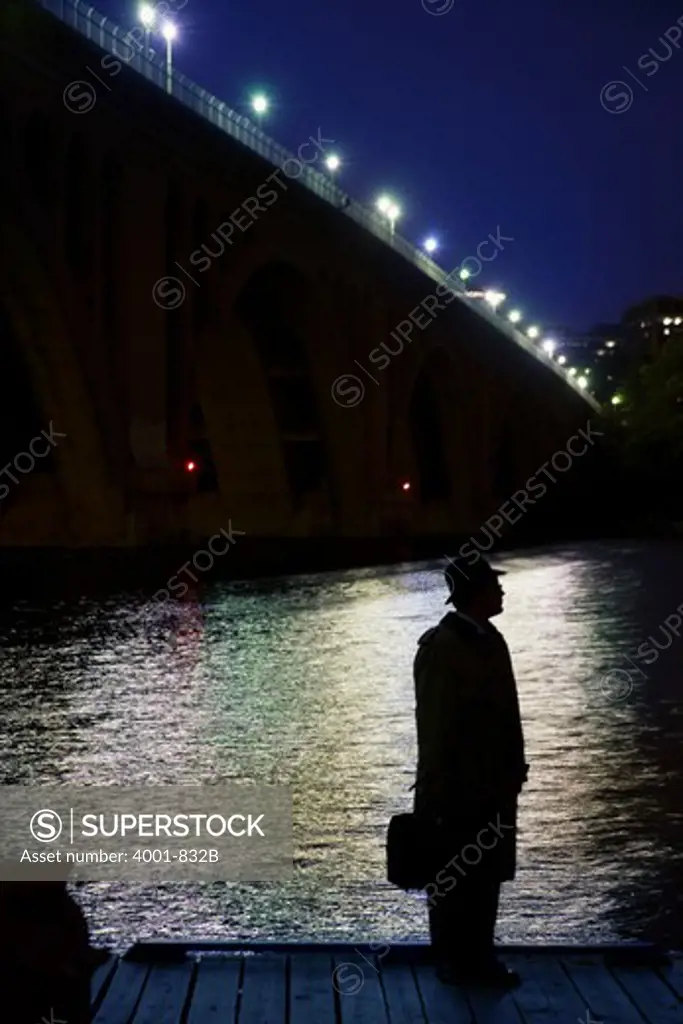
<point>308,681</point>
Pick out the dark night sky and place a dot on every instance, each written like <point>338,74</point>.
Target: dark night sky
<point>486,115</point>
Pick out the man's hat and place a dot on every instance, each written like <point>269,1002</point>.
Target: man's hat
<point>462,577</point>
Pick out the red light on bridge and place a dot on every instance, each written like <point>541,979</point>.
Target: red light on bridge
<point>190,466</point>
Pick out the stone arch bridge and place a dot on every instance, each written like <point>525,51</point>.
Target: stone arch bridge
<point>221,333</point>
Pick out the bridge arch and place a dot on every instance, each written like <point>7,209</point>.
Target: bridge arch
<point>69,492</point>
<point>440,417</point>
<point>276,308</point>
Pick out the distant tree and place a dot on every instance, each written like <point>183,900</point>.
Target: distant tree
<point>651,416</point>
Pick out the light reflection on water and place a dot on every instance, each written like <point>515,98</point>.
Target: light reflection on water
<point>308,681</point>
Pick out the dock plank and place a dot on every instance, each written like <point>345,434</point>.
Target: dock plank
<point>444,1004</point>
<point>100,979</point>
<point>311,991</point>
<point>356,979</point>
<point>493,1007</point>
<point>264,989</point>
<point>673,975</point>
<point>123,993</point>
<point>546,995</point>
<point>602,993</point>
<point>653,997</point>
<point>401,993</point>
<point>214,998</point>
<point>164,996</point>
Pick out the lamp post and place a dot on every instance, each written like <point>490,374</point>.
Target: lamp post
<point>147,16</point>
<point>169,32</point>
<point>390,209</point>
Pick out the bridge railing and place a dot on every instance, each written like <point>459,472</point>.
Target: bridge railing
<point>125,46</point>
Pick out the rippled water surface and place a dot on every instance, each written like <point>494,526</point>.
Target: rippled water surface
<point>308,681</point>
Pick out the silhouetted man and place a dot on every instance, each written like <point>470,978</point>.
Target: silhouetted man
<point>470,771</point>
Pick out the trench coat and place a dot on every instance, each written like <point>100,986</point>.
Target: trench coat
<point>471,765</point>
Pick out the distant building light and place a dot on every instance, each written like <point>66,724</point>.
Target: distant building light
<point>190,466</point>
<point>405,486</point>
<point>667,330</point>
<point>642,323</point>
<point>611,344</point>
<point>601,351</point>
<point>678,320</point>
<point>617,399</point>
<point>667,320</point>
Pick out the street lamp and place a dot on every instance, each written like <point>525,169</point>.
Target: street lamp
<point>260,104</point>
<point>147,16</point>
<point>169,32</point>
<point>430,245</point>
<point>549,346</point>
<point>533,332</point>
<point>582,382</point>
<point>514,316</point>
<point>464,273</point>
<point>562,360</point>
<point>390,209</point>
<point>332,162</point>
<point>494,298</point>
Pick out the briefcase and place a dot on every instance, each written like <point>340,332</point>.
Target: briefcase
<point>411,851</point>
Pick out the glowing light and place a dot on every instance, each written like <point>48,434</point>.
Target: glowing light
<point>405,486</point>
<point>260,103</point>
<point>582,382</point>
<point>431,244</point>
<point>572,371</point>
<point>147,15</point>
<point>667,320</point>
<point>169,31</point>
<point>562,360</point>
<point>514,316</point>
<point>332,162</point>
<point>617,399</point>
<point>678,320</point>
<point>549,345</point>
<point>667,330</point>
<point>464,274</point>
<point>611,344</point>
<point>494,298</point>
<point>533,332</point>
<point>190,466</point>
<point>391,209</point>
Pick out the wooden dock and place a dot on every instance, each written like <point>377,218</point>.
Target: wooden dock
<point>229,983</point>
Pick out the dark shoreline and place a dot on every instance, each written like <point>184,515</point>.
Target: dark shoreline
<point>69,571</point>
